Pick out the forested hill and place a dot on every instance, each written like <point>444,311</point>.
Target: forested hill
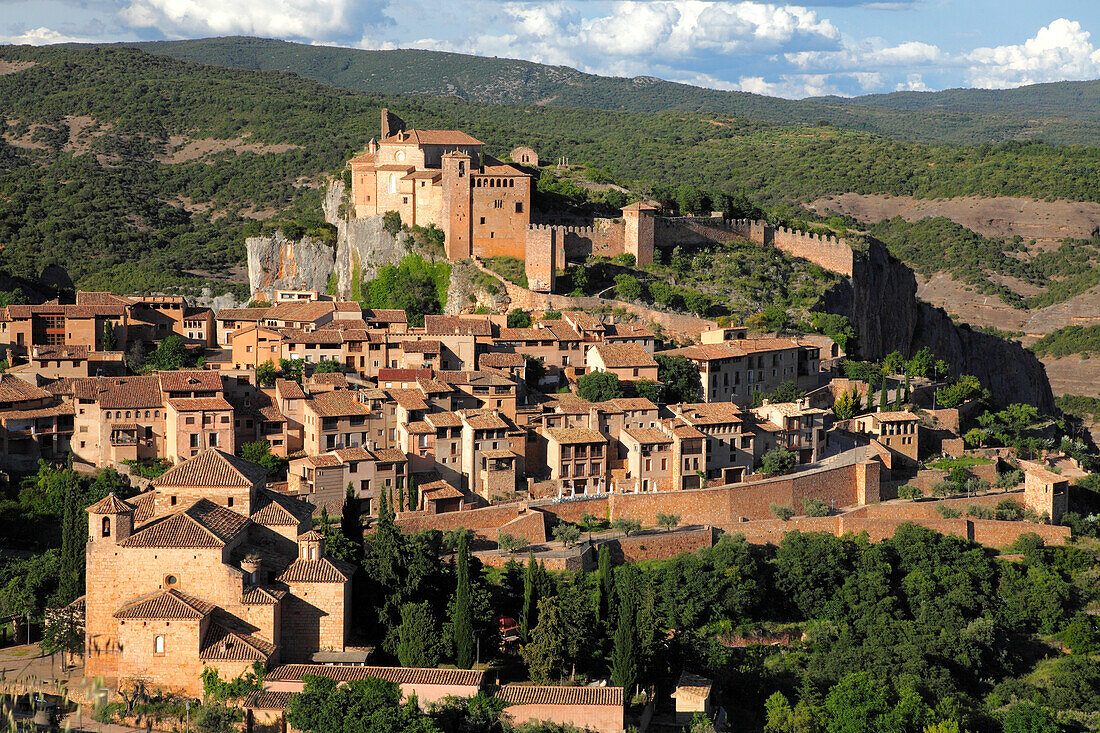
<point>141,172</point>
<point>1063,112</point>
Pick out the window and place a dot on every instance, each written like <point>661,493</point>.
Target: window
<point>106,526</point>
<point>519,207</point>
<point>194,440</point>
<point>158,645</point>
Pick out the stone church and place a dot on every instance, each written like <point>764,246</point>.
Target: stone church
<point>209,569</point>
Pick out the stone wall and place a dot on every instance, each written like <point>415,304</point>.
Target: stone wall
<point>988,532</point>
<point>484,522</point>
<point>658,545</point>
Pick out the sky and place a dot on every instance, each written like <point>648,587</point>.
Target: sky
<point>845,47</point>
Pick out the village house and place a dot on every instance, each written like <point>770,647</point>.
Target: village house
<point>730,440</point>
<point>577,459</point>
<point>34,424</point>
<point>897,432</point>
<point>630,362</point>
<point>735,370</point>
<point>800,428</point>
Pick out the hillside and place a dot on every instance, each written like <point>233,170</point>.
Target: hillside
<point>137,171</point>
<point>1063,113</point>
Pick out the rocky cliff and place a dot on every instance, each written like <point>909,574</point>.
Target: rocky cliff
<point>277,263</point>
<point>881,301</point>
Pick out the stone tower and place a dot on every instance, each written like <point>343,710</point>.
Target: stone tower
<point>639,231</point>
<point>456,204</point>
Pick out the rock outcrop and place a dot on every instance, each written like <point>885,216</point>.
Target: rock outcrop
<point>362,246</point>
<point>881,301</point>
<point>277,263</point>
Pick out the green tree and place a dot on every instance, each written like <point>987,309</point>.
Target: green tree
<point>680,378</point>
<point>668,521</point>
<point>350,523</point>
<point>778,461</point>
<point>109,341</point>
<point>626,526</point>
<point>1029,718</point>
<point>170,354</point>
<point>369,705</point>
<point>418,636</point>
<point>510,543</point>
<point>627,287</point>
<point>328,366</point>
<point>545,654</point>
<point>599,387</point>
<point>530,600</point>
<point>647,389</point>
<point>391,223</point>
<point>567,534</point>
<point>266,374</point>
<point>624,653</point>
<point>607,582</point>
<point>518,319</point>
<point>844,407</point>
<point>463,621</point>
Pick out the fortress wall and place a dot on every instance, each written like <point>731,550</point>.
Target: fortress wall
<point>693,230</point>
<point>829,252</point>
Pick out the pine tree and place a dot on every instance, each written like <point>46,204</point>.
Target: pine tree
<point>607,582</point>
<point>624,655</point>
<point>527,613</point>
<point>463,622</point>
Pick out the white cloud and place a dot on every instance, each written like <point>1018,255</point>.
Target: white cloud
<point>912,83</point>
<point>309,19</point>
<point>1061,50</point>
<point>40,37</point>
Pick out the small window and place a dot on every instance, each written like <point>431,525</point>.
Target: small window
<point>106,526</point>
<point>229,502</point>
<point>519,207</point>
<point>158,645</point>
<point>170,580</point>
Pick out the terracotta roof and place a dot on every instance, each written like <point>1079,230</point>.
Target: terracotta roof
<point>212,468</point>
<point>347,306</point>
<point>453,325</point>
<point>288,389</point>
<point>324,570</point>
<point>486,421</point>
<point>64,408</point>
<point>499,360</point>
<point>242,314</point>
<point>582,320</point>
<point>500,453</point>
<point>443,420</point>
<point>74,351</point>
<point>693,684</point>
<point>648,435</point>
<point>336,404</point>
<point>327,336</point>
<point>110,504</point>
<point>576,435</point>
<point>419,427</point>
<point>69,311</point>
<point>385,315</point>
<point>431,137</point>
<point>439,490</point>
<point>258,595</point>
<point>268,700</point>
<point>14,389</point>
<point>624,355</point>
<point>387,374</point>
<point>334,379</point>
<point>708,413</point>
<point>560,695</point>
<point>93,297</point>
<point>902,416</point>
<point>427,346</point>
<point>113,393</point>
<point>306,310</point>
<point>481,379</point>
<point>191,380</point>
<point>632,403</point>
<point>357,453</point>
<point>686,431</point>
<point>325,460</point>
<point>279,510</point>
<point>626,330</point>
<point>410,399</point>
<point>390,455</point>
<point>203,524</point>
<point>400,675</point>
<point>195,404</point>
<point>166,604</point>
<point>144,506</point>
<point>395,167</point>
<point>60,386</point>
<point>526,334</point>
<point>221,642</point>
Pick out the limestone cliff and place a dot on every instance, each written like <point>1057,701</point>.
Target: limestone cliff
<point>362,246</point>
<point>881,301</point>
<point>275,262</point>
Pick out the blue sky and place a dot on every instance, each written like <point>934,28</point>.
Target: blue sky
<point>846,47</point>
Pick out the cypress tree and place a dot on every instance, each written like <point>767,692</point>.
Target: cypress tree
<point>624,655</point>
<point>882,398</point>
<point>71,546</point>
<point>526,614</point>
<point>349,520</point>
<point>463,613</point>
<point>607,582</point>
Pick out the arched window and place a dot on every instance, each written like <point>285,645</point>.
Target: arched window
<point>106,526</point>
<point>313,553</point>
<point>158,645</point>
<point>393,183</point>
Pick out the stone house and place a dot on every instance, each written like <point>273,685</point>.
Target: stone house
<point>577,459</point>
<point>730,440</point>
<point>597,709</point>
<point>34,424</point>
<point>649,461</point>
<point>801,428</point>
<point>630,362</point>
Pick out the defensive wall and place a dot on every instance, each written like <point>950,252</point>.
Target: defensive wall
<point>988,532</point>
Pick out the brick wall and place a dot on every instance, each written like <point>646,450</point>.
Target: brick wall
<point>530,526</point>
<point>596,718</point>
<point>574,511</point>
<point>483,522</point>
<point>660,544</point>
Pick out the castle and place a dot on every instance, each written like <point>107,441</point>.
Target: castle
<point>445,178</point>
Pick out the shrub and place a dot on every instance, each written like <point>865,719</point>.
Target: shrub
<point>948,512</point>
<point>910,492</point>
<point>784,512</point>
<point>778,461</point>
<point>391,222</point>
<point>815,508</point>
<point>1009,510</point>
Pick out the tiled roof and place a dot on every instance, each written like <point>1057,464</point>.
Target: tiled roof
<point>419,427</point>
<point>195,404</point>
<point>481,379</point>
<point>91,297</point>
<point>692,684</point>
<point>69,311</point>
<point>336,404</point>
<point>212,468</point>
<point>526,334</point>
<point>708,413</point>
<point>325,460</point>
<point>385,315</point>
<point>64,408</point>
<point>14,389</point>
<point>203,524</point>
<point>499,453</point>
<point>562,330</point>
<point>410,399</point>
<point>648,435</point>
<point>288,389</point>
<point>73,351</point>
<point>390,455</point>
<point>624,355</point>
<point>221,642</point>
<point>347,306</point>
<point>427,346</point>
<point>144,506</point>
<point>60,386</point>
<point>353,454</point>
<point>439,490</point>
<point>443,420</point>
<point>453,325</point>
<point>279,510</point>
<point>165,604</point>
<point>110,504</point>
<point>502,170</point>
<point>387,374</point>
<point>267,700</point>
<point>626,330</point>
<point>583,321</point>
<point>576,435</point>
<point>399,675</point>
<point>242,314</point>
<point>560,695</point>
<point>486,421</point>
<point>686,431</point>
<point>499,360</point>
<point>322,336</point>
<point>334,379</point>
<point>113,393</point>
<point>632,403</point>
<point>902,416</point>
<point>191,380</point>
<point>258,595</point>
<point>309,310</point>
<point>324,570</point>
<point>432,137</point>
